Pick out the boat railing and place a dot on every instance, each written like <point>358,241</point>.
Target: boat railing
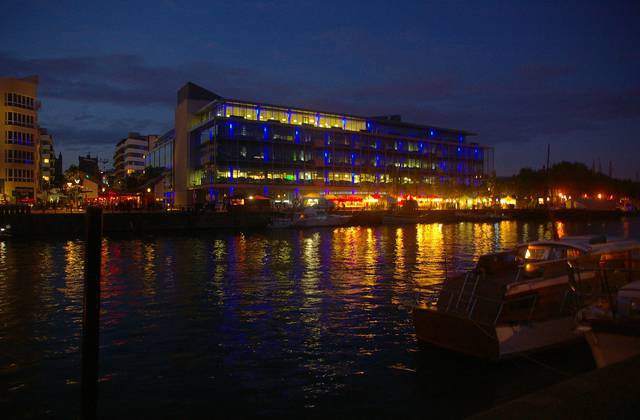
<point>470,295</point>
<point>481,299</point>
<point>482,309</point>
<point>500,306</point>
<point>609,276</point>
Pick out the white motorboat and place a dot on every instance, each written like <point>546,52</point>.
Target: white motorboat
<point>284,220</point>
<point>318,217</point>
<point>612,324</point>
<point>516,301</point>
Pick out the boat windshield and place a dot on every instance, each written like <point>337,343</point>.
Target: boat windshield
<point>534,253</point>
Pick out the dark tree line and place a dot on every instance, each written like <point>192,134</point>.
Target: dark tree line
<point>570,178</point>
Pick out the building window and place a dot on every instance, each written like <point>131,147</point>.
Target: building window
<point>20,101</point>
<point>18,156</point>
<point>18,137</point>
<point>19,175</point>
<point>16,118</point>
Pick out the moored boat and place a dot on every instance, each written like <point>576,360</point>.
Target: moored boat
<point>479,216</point>
<point>516,301</point>
<point>283,221</point>
<point>318,217</point>
<point>612,324</point>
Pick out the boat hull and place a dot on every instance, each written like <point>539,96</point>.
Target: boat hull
<point>609,348</point>
<point>455,333</point>
<point>322,222</point>
<point>467,336</point>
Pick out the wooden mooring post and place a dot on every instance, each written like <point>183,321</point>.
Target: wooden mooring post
<point>91,312</point>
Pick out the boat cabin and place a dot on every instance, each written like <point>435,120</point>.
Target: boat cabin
<point>535,274</point>
<point>526,298</point>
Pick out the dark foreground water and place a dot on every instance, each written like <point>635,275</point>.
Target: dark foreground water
<point>312,323</point>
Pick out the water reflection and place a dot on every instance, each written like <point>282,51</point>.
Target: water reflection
<point>268,321</point>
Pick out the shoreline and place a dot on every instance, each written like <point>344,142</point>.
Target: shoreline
<point>36,223</point>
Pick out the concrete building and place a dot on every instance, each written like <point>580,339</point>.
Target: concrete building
<point>47,158</point>
<point>19,148</point>
<point>227,146</point>
<point>130,153</point>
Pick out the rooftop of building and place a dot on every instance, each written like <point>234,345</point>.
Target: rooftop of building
<point>133,135</point>
<point>389,120</point>
<point>88,158</point>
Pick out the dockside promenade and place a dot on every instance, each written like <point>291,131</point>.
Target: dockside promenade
<point>24,222</point>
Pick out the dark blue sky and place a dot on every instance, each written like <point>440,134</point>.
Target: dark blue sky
<point>520,74</point>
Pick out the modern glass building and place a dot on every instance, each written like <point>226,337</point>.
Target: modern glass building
<point>230,146</point>
<point>161,155</point>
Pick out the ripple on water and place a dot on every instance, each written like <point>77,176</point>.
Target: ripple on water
<point>312,321</point>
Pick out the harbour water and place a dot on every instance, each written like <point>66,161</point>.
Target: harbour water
<point>266,323</point>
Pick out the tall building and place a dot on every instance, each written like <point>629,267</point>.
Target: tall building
<point>47,157</point>
<point>161,158</point>
<point>19,154</point>
<point>161,154</point>
<point>130,153</point>
<point>226,146</point>
<point>89,165</point>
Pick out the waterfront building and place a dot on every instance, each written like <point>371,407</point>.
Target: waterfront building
<point>19,147</point>
<point>130,153</point>
<point>161,154</point>
<point>47,158</point>
<point>160,159</point>
<point>227,146</point>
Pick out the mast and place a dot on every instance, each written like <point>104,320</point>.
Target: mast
<point>554,229</point>
<point>547,172</point>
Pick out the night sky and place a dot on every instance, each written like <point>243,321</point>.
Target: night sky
<point>520,74</point>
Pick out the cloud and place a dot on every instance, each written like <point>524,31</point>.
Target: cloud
<point>120,79</point>
<point>98,99</point>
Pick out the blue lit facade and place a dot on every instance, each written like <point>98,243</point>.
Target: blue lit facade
<point>238,146</point>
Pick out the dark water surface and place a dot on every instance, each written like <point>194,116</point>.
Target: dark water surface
<point>309,323</point>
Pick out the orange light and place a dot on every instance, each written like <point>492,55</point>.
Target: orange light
<point>599,196</point>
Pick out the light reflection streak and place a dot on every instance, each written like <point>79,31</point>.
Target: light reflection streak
<point>400,269</point>
<point>317,306</point>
